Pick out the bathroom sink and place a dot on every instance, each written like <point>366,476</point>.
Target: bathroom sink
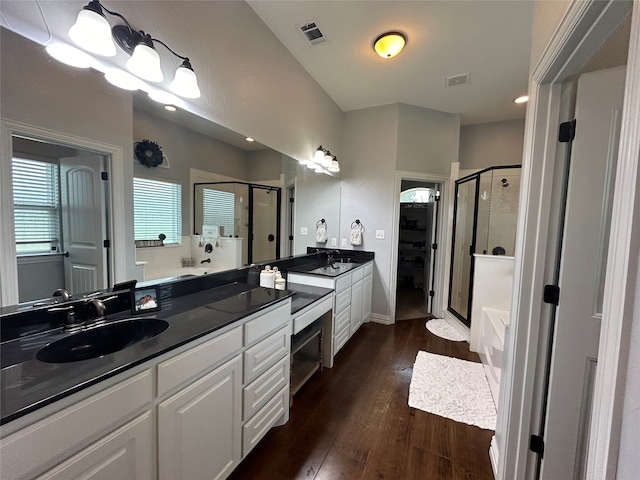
<point>102,340</point>
<point>335,269</point>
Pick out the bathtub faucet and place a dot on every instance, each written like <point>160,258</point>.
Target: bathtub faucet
<point>208,260</point>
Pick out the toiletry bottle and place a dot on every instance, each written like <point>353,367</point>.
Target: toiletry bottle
<point>267,277</point>
<point>253,277</point>
<point>280,283</point>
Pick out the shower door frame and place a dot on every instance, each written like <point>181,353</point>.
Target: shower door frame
<point>250,186</point>
<point>472,249</point>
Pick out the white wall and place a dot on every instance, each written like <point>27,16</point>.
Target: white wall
<point>491,144</point>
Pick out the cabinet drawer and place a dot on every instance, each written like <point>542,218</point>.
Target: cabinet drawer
<point>342,319</point>
<point>261,423</point>
<point>342,282</point>
<point>62,433</point>
<point>266,353</point>
<point>125,453</point>
<point>368,269</point>
<point>340,338</point>
<point>263,388</point>
<point>312,314</point>
<point>266,323</point>
<point>200,359</point>
<point>357,274</point>
<point>343,299</point>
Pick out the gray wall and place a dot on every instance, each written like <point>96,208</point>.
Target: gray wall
<point>491,144</point>
<point>264,165</point>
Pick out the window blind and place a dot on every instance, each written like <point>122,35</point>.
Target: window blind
<point>157,209</point>
<point>218,210</point>
<point>36,208</point>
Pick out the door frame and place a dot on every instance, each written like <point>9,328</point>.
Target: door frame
<point>583,28</point>
<point>117,265</point>
<point>441,239</point>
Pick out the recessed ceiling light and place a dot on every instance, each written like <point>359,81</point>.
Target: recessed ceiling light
<point>170,108</point>
<point>522,99</point>
<point>249,139</point>
<point>389,44</point>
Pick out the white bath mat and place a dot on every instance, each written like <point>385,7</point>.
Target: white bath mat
<point>441,328</point>
<point>452,388</point>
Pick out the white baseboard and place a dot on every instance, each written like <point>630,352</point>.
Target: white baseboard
<point>494,455</point>
<point>383,319</point>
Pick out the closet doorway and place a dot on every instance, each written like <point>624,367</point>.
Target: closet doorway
<point>418,221</point>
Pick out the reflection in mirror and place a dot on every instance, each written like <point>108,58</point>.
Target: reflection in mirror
<point>60,217</point>
<point>56,98</point>
<point>249,213</point>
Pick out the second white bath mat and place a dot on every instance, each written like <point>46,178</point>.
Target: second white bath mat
<point>452,388</point>
<point>441,328</point>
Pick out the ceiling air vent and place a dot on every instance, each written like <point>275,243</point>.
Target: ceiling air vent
<point>312,32</point>
<point>456,80</point>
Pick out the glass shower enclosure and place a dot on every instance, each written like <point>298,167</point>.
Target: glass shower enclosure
<point>243,210</point>
<point>485,220</point>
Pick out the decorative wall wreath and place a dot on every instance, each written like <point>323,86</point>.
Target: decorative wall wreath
<point>148,153</point>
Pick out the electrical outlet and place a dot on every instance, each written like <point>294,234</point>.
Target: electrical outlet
<point>380,234</point>
<point>303,230</point>
<point>343,243</point>
<point>334,242</point>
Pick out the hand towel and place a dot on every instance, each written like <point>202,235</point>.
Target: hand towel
<point>356,235</point>
<point>321,233</point>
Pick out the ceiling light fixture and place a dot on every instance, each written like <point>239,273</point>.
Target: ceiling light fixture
<point>389,44</point>
<point>93,33</point>
<point>170,108</point>
<point>249,139</point>
<point>522,99</point>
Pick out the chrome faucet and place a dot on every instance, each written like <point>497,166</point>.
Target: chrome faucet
<point>61,292</point>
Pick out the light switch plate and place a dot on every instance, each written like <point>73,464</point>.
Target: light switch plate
<point>303,230</point>
<point>380,234</point>
<point>334,242</point>
<point>343,243</point>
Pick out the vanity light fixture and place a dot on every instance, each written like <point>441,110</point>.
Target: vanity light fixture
<point>323,161</point>
<point>93,33</point>
<point>389,44</point>
<point>522,99</point>
<point>335,166</point>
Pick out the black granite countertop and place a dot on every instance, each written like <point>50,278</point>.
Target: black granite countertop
<point>335,269</point>
<point>28,384</point>
<point>305,295</point>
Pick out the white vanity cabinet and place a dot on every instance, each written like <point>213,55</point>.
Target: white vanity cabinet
<point>106,435</point>
<point>199,426</point>
<point>352,301</point>
<point>193,412</point>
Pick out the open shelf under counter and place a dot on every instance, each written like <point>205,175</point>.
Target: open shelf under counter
<point>306,355</point>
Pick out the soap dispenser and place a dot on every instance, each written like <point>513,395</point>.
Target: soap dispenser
<point>253,277</point>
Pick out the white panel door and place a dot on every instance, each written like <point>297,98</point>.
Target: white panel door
<point>582,272</point>
<point>83,222</point>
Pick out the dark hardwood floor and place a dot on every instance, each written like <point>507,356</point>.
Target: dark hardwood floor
<point>353,421</point>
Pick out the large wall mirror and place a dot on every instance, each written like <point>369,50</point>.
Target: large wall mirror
<point>196,151</point>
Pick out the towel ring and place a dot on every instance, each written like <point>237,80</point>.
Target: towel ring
<point>319,222</point>
<point>357,222</point>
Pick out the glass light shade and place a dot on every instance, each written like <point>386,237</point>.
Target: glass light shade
<point>335,167</point>
<point>389,44</point>
<point>319,169</point>
<point>69,55</point>
<point>318,157</point>
<point>185,83</point>
<point>93,33</point>
<point>326,160</point>
<point>122,79</point>
<point>145,63</point>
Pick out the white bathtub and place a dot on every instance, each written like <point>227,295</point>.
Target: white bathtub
<point>177,272</point>
<point>492,328</point>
